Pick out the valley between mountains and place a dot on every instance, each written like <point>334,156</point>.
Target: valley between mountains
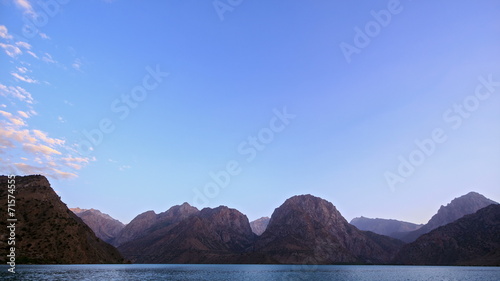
<point>304,230</point>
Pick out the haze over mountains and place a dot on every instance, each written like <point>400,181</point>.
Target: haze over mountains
<point>259,225</point>
<point>387,227</point>
<point>409,232</point>
<point>103,225</point>
<point>304,230</point>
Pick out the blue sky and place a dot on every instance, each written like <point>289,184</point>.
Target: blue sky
<point>384,108</point>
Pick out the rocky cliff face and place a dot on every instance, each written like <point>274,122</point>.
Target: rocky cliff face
<point>103,225</point>
<point>259,225</point>
<point>47,231</point>
<point>308,229</point>
<point>209,236</point>
<point>470,240</point>
<point>149,221</point>
<point>136,228</point>
<point>457,208</point>
<point>384,226</point>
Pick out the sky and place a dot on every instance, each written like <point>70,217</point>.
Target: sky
<point>387,109</point>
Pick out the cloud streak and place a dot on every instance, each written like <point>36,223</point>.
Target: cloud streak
<point>16,92</point>
<point>23,78</point>
<point>11,50</point>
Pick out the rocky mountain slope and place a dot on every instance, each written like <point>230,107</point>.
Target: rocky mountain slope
<point>208,236</point>
<point>471,240</point>
<point>259,225</point>
<point>103,225</point>
<point>384,226</point>
<point>308,229</point>
<point>149,221</point>
<point>457,208</point>
<point>47,231</point>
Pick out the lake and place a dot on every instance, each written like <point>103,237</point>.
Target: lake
<point>249,272</point>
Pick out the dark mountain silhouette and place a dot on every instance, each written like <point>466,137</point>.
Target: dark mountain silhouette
<point>308,229</point>
<point>103,225</point>
<point>208,236</point>
<point>384,226</point>
<point>471,240</point>
<point>148,221</point>
<point>259,225</point>
<point>457,208</point>
<point>47,231</point>
<point>304,230</point>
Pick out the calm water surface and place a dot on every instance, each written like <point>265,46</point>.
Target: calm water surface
<point>249,272</point>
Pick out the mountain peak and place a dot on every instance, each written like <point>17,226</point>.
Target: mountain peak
<point>49,231</point>
<point>259,225</point>
<point>306,227</point>
<point>457,208</point>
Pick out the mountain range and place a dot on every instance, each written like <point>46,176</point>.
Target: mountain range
<point>471,240</point>
<point>103,225</point>
<point>386,227</point>
<point>457,208</point>
<point>304,230</point>
<point>46,231</point>
<point>409,232</point>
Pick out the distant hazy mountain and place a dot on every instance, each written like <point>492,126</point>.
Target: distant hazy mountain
<point>146,222</point>
<point>103,225</point>
<point>259,225</point>
<point>47,231</point>
<point>308,229</point>
<point>384,226</point>
<point>457,208</point>
<point>217,235</point>
<point>470,240</point>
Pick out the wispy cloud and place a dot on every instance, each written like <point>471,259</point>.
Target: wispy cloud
<point>35,150</point>
<point>23,148</point>
<point>48,58</point>
<point>43,137</point>
<point>77,64</point>
<point>124,167</point>
<point>40,149</point>
<point>23,114</point>
<point>23,78</point>
<point>13,120</point>
<point>23,45</point>
<point>22,69</point>
<point>9,136</point>
<point>78,159</point>
<point>32,54</point>
<point>44,36</point>
<point>49,171</point>
<point>16,92</point>
<point>4,33</point>
<point>25,6</point>
<point>11,50</point>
